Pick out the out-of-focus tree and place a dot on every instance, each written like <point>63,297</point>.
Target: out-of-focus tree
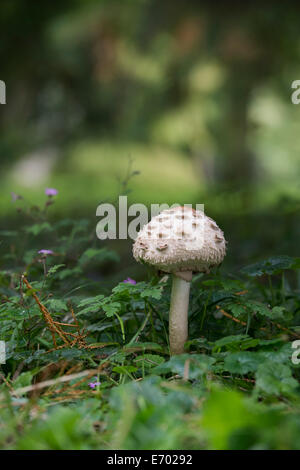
<point>181,73</point>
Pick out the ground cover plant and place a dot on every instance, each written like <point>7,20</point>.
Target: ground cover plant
<point>88,365</point>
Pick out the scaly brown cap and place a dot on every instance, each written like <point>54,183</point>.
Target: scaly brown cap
<point>180,239</point>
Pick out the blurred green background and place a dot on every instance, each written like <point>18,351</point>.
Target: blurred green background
<point>193,98</point>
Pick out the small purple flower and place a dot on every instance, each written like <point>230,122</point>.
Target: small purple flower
<point>94,384</point>
<point>46,252</point>
<point>129,281</point>
<point>51,192</point>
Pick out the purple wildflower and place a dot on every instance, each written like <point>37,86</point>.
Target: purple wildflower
<point>51,192</point>
<point>129,281</point>
<point>94,384</point>
<point>46,252</point>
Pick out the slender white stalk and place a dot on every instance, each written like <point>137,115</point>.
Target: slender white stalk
<point>178,317</point>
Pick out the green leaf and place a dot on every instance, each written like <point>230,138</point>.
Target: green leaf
<point>91,300</point>
<point>249,306</point>
<point>235,342</point>
<point>55,268</point>
<point>225,412</point>
<point>237,309</point>
<point>91,304</point>
<point>154,292</point>
<point>56,305</point>
<point>273,265</point>
<point>242,362</point>
<point>281,355</point>
<point>195,365</point>
<point>36,229</point>
<point>149,360</point>
<point>111,308</point>
<point>25,379</point>
<point>124,369</point>
<point>275,379</point>
<point>258,307</point>
<point>280,313</point>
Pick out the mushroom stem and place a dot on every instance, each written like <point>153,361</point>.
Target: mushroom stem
<point>178,317</point>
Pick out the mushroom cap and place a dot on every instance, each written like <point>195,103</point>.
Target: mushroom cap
<point>180,239</point>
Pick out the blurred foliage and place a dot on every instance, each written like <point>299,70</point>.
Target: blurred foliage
<point>88,366</point>
<point>200,85</point>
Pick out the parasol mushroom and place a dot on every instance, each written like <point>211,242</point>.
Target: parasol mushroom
<point>180,241</point>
